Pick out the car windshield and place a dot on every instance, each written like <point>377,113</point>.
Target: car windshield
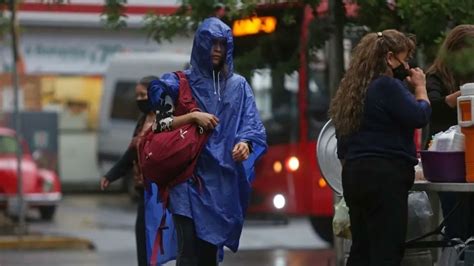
<point>8,145</point>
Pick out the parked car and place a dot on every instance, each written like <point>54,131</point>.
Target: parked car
<point>42,188</point>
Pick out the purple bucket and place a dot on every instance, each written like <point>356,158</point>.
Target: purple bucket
<point>444,166</point>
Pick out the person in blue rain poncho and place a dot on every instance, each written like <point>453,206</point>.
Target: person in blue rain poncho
<point>210,215</point>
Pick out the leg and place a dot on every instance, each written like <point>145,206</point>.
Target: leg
<point>187,254</point>
<point>454,228</point>
<point>140,234</point>
<point>359,253</point>
<point>207,253</point>
<point>387,215</point>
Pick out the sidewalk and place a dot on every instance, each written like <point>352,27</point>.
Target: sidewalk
<point>37,241</point>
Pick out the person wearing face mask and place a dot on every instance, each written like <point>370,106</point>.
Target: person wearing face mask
<point>208,211</point>
<point>375,116</point>
<point>128,162</point>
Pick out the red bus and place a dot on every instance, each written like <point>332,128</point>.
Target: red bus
<point>290,83</point>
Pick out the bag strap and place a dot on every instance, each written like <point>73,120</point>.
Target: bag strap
<point>158,245</point>
<point>185,89</point>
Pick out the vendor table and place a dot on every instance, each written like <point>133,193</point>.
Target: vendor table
<point>434,188</point>
<point>443,187</point>
<point>464,188</point>
<point>419,242</point>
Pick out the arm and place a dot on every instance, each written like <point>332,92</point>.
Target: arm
<point>163,95</point>
<point>167,85</point>
<point>440,100</point>
<point>120,168</point>
<point>341,147</point>
<point>206,120</point>
<point>251,135</point>
<point>408,110</point>
<point>452,99</point>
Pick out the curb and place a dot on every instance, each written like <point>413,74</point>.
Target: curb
<point>38,242</point>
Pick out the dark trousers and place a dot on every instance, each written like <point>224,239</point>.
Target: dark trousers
<point>460,223</point>
<point>140,234</point>
<point>192,251</point>
<point>376,192</point>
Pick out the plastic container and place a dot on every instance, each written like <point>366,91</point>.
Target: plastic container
<point>446,167</point>
<point>465,104</point>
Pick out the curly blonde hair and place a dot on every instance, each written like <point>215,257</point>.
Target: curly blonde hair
<point>368,61</point>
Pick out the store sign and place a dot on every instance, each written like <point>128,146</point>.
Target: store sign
<point>80,53</point>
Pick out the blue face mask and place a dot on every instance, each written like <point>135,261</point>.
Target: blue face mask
<point>144,106</point>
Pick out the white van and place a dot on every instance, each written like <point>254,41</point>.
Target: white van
<point>118,110</point>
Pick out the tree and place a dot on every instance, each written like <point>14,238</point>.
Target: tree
<point>429,20</point>
<point>12,25</point>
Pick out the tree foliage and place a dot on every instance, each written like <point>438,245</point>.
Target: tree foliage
<point>429,20</point>
<point>3,19</point>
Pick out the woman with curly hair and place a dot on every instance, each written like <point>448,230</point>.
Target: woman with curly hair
<point>375,116</point>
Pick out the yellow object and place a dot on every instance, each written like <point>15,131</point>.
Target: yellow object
<point>254,25</point>
<point>77,91</point>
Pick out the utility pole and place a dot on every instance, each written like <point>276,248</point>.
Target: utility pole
<point>16,115</point>
<point>336,71</point>
<point>336,46</point>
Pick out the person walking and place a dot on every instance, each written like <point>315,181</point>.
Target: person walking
<point>209,214</point>
<point>128,162</point>
<point>375,116</point>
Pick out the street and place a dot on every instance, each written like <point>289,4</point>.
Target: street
<point>108,221</point>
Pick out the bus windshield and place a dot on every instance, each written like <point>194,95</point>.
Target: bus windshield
<point>276,99</point>
<point>276,95</point>
<point>271,62</point>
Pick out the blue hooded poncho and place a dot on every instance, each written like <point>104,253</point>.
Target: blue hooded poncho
<point>218,208</point>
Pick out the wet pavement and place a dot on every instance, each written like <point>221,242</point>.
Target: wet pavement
<point>243,257</point>
<point>108,221</point>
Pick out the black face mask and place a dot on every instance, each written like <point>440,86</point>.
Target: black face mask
<point>144,106</point>
<point>400,72</point>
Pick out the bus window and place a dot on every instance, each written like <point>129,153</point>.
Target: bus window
<point>318,93</point>
<point>123,105</point>
<point>276,99</point>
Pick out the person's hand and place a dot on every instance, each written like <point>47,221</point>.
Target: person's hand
<point>452,99</point>
<point>205,120</point>
<point>417,79</point>
<point>240,152</point>
<point>104,183</point>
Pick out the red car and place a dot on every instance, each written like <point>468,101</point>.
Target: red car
<point>42,189</point>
